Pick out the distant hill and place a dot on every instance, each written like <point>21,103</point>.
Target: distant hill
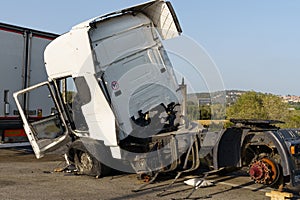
<point>231,96</point>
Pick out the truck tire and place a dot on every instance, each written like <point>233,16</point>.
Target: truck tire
<point>85,162</point>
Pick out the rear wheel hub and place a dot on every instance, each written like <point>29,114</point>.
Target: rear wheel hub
<point>264,171</point>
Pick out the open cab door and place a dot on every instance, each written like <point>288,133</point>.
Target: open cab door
<point>42,117</point>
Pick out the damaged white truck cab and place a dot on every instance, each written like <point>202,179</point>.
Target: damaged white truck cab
<point>115,95</point>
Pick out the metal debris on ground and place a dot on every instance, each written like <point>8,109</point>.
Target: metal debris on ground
<point>68,169</point>
<point>146,183</point>
<point>198,182</point>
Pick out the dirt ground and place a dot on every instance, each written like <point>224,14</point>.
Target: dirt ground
<point>22,176</point>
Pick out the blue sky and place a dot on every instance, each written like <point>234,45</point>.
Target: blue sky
<point>255,44</point>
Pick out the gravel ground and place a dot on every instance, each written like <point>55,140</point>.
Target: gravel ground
<point>22,176</point>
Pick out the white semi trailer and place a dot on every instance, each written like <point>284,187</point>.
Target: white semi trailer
<point>21,65</point>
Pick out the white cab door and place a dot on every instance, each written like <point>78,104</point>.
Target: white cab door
<point>43,121</point>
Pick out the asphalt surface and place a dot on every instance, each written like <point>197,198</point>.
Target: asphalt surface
<point>22,176</point>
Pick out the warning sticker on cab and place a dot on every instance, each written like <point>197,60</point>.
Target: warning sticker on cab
<point>114,85</point>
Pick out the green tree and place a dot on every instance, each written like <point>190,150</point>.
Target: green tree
<point>253,105</point>
<point>205,112</point>
<point>248,106</point>
<point>293,121</point>
<point>218,111</point>
<point>275,108</point>
<point>70,96</point>
<point>192,112</point>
